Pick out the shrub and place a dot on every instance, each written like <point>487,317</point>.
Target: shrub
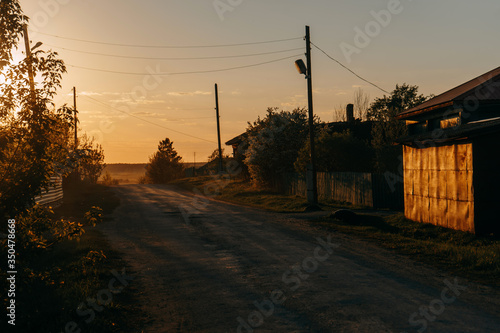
<point>108,180</point>
<point>273,144</point>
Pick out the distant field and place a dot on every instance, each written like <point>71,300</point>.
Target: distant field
<point>125,173</point>
<point>130,173</point>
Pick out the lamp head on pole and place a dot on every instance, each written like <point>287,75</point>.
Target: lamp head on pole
<point>301,67</point>
<point>36,46</point>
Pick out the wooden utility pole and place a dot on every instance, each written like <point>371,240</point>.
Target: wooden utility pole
<point>76,119</point>
<point>312,191</point>
<point>218,126</point>
<point>29,61</point>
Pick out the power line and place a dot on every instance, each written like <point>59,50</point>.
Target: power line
<point>176,109</point>
<point>188,118</point>
<point>175,58</point>
<point>163,109</point>
<point>183,73</point>
<point>338,62</point>
<point>147,121</point>
<point>172,46</point>
<point>159,108</point>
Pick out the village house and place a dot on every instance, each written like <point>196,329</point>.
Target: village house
<point>452,157</point>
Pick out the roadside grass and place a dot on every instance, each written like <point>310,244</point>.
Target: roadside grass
<point>240,191</point>
<point>461,253</point>
<point>59,279</point>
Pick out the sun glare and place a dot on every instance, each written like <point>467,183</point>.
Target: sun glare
<point>17,56</point>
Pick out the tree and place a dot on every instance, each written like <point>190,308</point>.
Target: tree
<point>212,165</point>
<point>339,113</point>
<point>165,165</point>
<point>274,143</point>
<point>12,20</point>
<point>386,128</point>
<point>215,155</point>
<point>33,135</point>
<point>90,159</point>
<point>337,152</point>
<point>34,145</point>
<point>361,104</point>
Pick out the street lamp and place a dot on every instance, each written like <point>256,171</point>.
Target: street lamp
<point>301,67</point>
<point>312,190</point>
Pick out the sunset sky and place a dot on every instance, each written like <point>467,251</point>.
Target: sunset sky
<point>433,44</point>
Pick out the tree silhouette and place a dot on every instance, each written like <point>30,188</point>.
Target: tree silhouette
<point>274,143</point>
<point>386,128</point>
<point>165,164</point>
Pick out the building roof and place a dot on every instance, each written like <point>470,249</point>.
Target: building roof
<point>485,88</point>
<point>463,132</point>
<point>237,140</point>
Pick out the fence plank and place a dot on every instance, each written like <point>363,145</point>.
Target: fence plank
<point>358,189</point>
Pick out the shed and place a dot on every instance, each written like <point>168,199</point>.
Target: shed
<point>452,157</point>
<point>236,142</point>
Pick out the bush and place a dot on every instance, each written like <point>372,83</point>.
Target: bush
<point>273,144</point>
<point>108,180</point>
<point>143,180</point>
<point>37,230</point>
<point>94,216</point>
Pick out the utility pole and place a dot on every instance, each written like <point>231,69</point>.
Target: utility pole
<point>218,126</point>
<point>29,61</point>
<point>76,173</point>
<point>312,191</point>
<point>76,119</point>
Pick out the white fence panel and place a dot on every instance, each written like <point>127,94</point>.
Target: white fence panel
<point>53,194</point>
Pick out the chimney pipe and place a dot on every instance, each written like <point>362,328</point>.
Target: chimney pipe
<point>350,113</point>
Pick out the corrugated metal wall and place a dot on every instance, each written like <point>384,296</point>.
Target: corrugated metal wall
<point>438,185</point>
<point>53,194</point>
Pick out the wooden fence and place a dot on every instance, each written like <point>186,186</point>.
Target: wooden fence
<point>355,188</point>
<point>53,193</point>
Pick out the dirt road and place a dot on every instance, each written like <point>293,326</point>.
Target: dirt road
<point>226,268</point>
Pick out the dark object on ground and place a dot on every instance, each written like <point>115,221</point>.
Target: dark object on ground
<point>346,216</point>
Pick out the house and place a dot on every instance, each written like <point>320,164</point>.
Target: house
<point>452,157</point>
<point>359,129</point>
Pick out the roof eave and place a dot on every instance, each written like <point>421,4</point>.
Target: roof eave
<point>418,112</point>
